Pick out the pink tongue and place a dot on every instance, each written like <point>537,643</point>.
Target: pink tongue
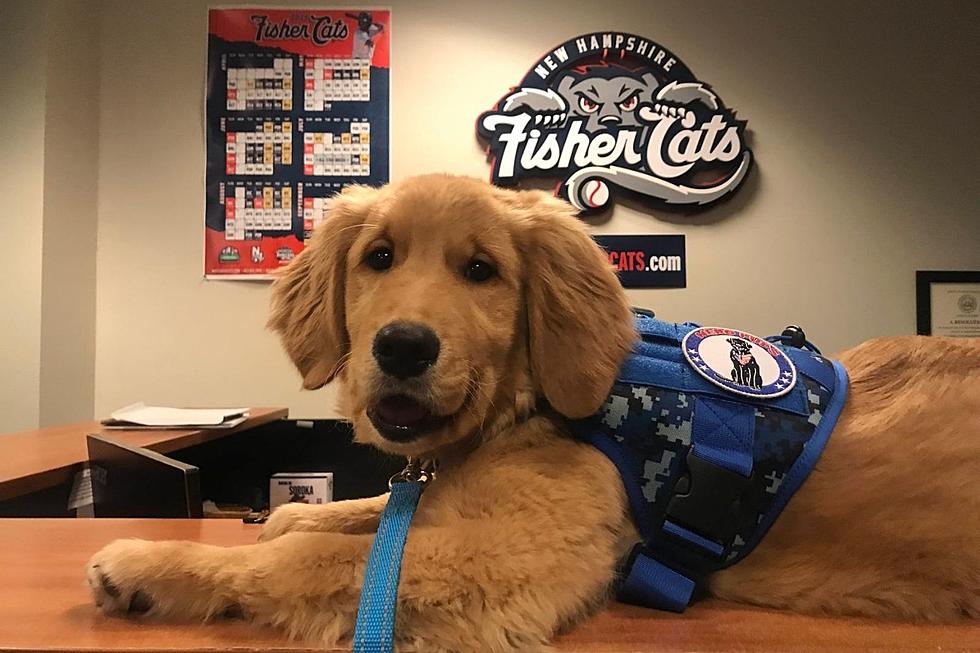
<point>401,411</point>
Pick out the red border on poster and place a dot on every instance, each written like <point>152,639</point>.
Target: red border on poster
<point>299,30</point>
<point>303,32</point>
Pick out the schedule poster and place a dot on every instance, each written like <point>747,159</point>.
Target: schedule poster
<point>297,108</point>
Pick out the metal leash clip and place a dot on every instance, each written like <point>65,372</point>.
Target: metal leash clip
<point>415,472</point>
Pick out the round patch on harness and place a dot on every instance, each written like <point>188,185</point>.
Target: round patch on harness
<point>739,362</point>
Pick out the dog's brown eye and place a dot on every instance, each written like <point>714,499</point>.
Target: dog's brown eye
<point>379,258</point>
<point>477,270</point>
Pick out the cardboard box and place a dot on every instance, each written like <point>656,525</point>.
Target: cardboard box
<point>300,487</point>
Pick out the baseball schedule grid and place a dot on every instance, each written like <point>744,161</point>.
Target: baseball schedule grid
<point>297,109</point>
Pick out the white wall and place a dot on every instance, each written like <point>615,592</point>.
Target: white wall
<point>21,183</point>
<point>862,123</point>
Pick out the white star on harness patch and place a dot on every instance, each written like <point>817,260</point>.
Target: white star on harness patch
<point>693,352</point>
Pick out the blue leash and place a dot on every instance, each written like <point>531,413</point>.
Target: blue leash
<point>375,626</point>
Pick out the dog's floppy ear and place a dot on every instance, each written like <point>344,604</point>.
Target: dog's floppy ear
<point>308,294</point>
<point>580,326</point>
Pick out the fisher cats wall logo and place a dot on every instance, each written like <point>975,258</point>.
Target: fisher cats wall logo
<point>611,112</point>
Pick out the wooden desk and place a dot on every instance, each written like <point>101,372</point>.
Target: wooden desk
<point>43,458</point>
<point>45,606</point>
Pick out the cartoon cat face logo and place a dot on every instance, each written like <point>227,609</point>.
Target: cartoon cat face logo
<point>612,112</point>
<point>606,96</point>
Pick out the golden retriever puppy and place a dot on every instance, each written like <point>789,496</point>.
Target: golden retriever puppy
<point>464,323</point>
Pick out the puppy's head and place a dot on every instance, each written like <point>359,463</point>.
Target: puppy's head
<point>448,308</point>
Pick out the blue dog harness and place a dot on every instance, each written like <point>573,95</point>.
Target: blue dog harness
<point>713,430</point>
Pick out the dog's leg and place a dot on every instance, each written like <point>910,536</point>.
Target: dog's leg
<point>475,588</point>
<point>537,554</point>
<point>266,582</point>
<point>353,516</point>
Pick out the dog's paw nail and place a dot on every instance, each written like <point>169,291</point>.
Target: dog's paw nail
<point>139,603</point>
<point>109,587</point>
<point>105,594</point>
<point>234,611</point>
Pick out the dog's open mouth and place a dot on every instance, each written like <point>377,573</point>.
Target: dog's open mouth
<point>401,418</point>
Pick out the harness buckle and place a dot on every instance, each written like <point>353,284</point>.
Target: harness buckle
<point>703,507</point>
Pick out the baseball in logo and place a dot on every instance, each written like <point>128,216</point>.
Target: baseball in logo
<point>610,113</point>
<point>739,362</point>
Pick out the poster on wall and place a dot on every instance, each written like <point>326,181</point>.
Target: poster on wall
<point>612,114</point>
<point>297,109</point>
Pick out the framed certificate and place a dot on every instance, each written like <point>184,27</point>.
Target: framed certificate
<point>948,303</point>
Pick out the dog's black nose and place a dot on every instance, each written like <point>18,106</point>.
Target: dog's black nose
<point>405,349</point>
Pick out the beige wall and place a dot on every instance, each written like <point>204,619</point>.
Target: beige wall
<point>48,178</point>
<point>21,183</point>
<point>861,119</point>
<point>71,139</point>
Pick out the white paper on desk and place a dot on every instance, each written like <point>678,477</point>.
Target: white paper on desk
<point>113,425</point>
<point>164,416</point>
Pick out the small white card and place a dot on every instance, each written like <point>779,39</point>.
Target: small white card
<point>300,487</point>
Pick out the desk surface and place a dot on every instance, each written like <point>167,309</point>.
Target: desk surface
<point>43,458</point>
<point>45,606</point>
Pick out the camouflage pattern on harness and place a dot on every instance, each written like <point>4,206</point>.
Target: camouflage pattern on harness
<point>651,427</point>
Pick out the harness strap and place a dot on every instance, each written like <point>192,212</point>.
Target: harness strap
<point>700,514</point>
<point>811,365</point>
<point>375,626</point>
<point>652,584</point>
<point>723,433</point>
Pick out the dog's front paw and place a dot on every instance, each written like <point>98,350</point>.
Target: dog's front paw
<point>289,517</point>
<point>113,577</point>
